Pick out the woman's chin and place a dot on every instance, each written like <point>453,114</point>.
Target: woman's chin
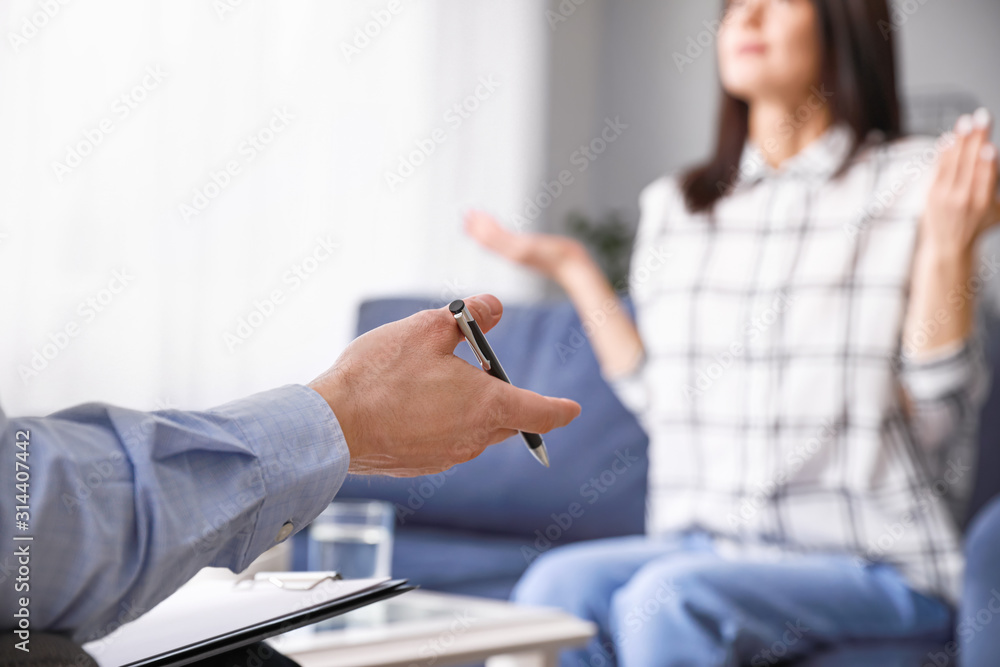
<point>752,89</point>
<point>744,93</point>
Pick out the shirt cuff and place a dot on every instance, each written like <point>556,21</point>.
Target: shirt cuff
<point>943,373</point>
<point>303,458</point>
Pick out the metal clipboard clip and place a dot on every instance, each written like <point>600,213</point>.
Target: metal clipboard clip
<point>290,581</point>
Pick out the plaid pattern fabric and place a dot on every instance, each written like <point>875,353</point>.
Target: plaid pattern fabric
<point>782,416</point>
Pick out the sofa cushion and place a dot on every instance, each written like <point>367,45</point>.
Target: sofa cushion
<point>889,653</point>
<point>987,485</point>
<point>596,486</point>
<point>447,560</point>
<point>455,562</point>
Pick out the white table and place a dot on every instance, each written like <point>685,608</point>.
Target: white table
<point>425,628</point>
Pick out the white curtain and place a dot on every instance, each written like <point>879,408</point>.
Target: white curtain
<point>194,194</point>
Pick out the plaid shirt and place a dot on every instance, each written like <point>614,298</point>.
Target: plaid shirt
<point>784,411</point>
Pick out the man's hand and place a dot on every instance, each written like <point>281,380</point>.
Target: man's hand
<point>408,406</point>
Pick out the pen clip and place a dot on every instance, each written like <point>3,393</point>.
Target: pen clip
<point>292,581</point>
<point>463,318</point>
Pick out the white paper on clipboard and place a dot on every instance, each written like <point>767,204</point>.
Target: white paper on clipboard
<point>208,609</point>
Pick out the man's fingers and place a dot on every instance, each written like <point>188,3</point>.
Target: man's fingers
<point>485,309</point>
<point>527,411</point>
<point>499,435</point>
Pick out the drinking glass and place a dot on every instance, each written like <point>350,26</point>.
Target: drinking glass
<point>353,537</point>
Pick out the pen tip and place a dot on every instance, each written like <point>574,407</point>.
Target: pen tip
<point>542,455</point>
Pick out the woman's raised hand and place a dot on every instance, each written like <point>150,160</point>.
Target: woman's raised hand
<point>616,342</point>
<point>962,203</point>
<point>963,199</point>
<point>548,254</point>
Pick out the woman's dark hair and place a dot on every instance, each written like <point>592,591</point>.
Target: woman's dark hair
<point>858,69</point>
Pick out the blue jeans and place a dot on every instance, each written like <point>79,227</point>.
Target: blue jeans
<point>978,628</point>
<point>674,601</point>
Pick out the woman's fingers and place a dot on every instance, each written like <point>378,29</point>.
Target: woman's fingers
<point>948,163</point>
<point>965,189</point>
<point>975,129</point>
<point>485,229</point>
<point>984,188</point>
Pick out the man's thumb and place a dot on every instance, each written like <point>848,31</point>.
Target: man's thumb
<point>485,309</point>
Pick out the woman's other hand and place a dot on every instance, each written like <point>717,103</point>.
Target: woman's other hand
<point>615,340</point>
<point>548,254</point>
<point>963,199</point>
<point>962,203</point>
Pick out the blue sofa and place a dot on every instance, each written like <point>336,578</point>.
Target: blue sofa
<point>475,529</point>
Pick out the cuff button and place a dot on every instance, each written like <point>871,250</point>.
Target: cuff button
<point>285,531</point>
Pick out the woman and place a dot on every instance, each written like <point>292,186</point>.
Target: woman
<point>804,362</point>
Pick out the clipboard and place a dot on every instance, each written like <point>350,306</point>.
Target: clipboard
<point>215,617</point>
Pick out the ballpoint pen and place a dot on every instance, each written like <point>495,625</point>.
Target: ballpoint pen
<point>484,353</point>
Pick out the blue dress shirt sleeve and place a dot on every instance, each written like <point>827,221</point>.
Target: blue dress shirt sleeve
<point>126,506</point>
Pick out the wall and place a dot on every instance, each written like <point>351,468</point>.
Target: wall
<point>617,58</point>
